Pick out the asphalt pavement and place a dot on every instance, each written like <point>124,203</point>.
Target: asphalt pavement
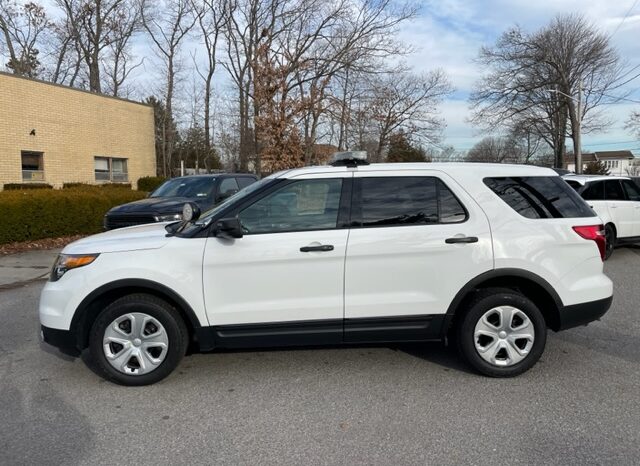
<point>406,404</point>
<point>24,267</point>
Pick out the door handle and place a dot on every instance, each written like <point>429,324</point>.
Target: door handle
<point>461,239</point>
<point>320,248</point>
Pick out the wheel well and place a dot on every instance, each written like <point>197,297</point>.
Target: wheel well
<point>89,311</point>
<point>537,293</point>
<point>613,225</point>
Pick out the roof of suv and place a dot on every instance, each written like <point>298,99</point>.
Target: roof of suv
<point>584,179</point>
<point>215,175</point>
<point>456,169</point>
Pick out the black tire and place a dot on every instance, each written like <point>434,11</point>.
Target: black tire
<point>482,302</point>
<point>610,234</point>
<point>173,324</point>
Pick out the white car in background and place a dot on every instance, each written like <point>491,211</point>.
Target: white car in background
<point>616,200</point>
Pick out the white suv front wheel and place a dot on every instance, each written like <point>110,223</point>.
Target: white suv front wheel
<point>138,339</point>
<point>502,333</point>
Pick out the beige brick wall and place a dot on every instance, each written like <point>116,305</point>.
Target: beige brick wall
<point>71,128</point>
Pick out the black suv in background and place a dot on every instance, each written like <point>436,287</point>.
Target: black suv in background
<point>165,203</point>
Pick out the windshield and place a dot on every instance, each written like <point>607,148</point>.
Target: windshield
<point>197,187</point>
<point>206,216</point>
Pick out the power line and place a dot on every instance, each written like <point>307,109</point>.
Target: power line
<point>618,99</point>
<point>612,143</point>
<point>623,19</point>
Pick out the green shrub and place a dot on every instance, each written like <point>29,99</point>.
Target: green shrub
<point>115,185</point>
<point>150,183</point>
<point>21,186</point>
<point>37,214</point>
<point>101,185</point>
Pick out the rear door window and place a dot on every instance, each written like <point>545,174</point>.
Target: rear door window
<point>594,191</point>
<point>450,209</point>
<point>540,196</point>
<point>613,191</point>
<point>397,201</point>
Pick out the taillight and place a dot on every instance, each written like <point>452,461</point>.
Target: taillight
<point>594,233</point>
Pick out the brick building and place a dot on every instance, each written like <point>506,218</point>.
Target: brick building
<point>56,134</point>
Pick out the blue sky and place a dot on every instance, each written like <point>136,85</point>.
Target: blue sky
<point>448,34</point>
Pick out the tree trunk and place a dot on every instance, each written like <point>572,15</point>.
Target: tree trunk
<point>207,111</point>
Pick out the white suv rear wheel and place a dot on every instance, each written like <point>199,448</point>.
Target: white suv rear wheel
<point>501,333</point>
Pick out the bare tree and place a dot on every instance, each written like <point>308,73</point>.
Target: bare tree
<point>23,28</point>
<point>65,54</point>
<point>407,102</point>
<point>211,19</point>
<point>633,123</point>
<point>119,62</point>
<point>167,29</point>
<point>495,149</point>
<point>311,42</point>
<point>100,31</point>
<point>534,80</point>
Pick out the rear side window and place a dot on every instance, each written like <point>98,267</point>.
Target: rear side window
<point>540,196</point>
<point>245,181</point>
<point>396,201</point>
<point>633,193</point>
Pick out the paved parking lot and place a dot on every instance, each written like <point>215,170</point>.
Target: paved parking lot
<point>380,405</point>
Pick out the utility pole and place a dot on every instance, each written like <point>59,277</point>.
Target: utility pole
<point>577,129</point>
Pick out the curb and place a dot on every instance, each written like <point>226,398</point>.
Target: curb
<point>11,286</point>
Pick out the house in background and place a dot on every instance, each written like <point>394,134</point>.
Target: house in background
<point>616,161</point>
<point>55,134</point>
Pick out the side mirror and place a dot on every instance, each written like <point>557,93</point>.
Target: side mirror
<point>190,212</point>
<point>229,228</point>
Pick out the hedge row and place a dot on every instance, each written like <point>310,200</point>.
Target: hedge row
<point>102,185</point>
<point>37,214</point>
<point>23,186</point>
<point>150,183</point>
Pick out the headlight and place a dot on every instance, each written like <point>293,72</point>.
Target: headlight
<point>168,218</point>
<point>66,262</point>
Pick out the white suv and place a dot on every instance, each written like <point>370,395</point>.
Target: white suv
<point>487,255</point>
<point>616,200</point>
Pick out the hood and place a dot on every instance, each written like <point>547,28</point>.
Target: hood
<point>157,205</point>
<point>149,236</point>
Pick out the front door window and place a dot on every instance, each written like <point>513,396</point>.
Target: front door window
<point>303,205</point>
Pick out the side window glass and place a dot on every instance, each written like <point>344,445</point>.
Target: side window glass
<point>632,190</point>
<point>299,206</point>
<point>245,181</point>
<point>613,191</point>
<point>451,211</point>
<point>399,201</point>
<point>540,196</point>
<point>228,187</point>
<point>594,191</point>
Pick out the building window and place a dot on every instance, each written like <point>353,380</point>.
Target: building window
<point>111,169</point>
<point>32,166</point>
